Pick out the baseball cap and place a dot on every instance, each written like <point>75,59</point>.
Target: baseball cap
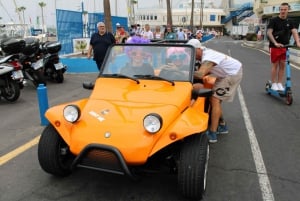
<point>198,31</point>
<point>118,25</point>
<point>195,43</point>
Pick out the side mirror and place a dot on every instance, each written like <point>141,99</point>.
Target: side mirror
<point>201,93</point>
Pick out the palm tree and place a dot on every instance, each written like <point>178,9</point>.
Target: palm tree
<point>107,15</point>
<point>18,11</point>
<point>192,17</point>
<point>42,5</point>
<point>201,14</point>
<point>22,9</point>
<point>169,13</point>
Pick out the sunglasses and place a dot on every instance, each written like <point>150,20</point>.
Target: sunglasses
<point>142,54</point>
<point>177,57</point>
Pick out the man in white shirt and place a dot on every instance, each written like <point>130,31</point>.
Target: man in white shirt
<point>228,72</point>
<point>147,32</point>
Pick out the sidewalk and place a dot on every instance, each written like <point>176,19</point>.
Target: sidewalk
<point>264,45</point>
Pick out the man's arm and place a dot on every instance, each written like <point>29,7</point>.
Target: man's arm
<point>296,37</point>
<point>272,39</point>
<point>204,69</point>
<point>89,53</point>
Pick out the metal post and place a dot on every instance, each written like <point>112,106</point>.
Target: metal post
<point>82,10</point>
<point>43,103</point>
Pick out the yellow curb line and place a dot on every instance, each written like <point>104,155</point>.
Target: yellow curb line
<point>7,157</point>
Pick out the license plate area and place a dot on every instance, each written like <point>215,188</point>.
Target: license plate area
<point>38,64</point>
<point>17,75</point>
<point>58,66</point>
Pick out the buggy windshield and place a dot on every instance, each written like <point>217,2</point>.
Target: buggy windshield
<point>150,61</point>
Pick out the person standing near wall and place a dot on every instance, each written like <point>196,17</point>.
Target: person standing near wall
<point>169,34</point>
<point>99,43</point>
<point>157,33</point>
<point>121,35</point>
<point>279,31</point>
<point>147,32</point>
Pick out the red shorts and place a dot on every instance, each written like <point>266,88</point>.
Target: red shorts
<point>277,54</point>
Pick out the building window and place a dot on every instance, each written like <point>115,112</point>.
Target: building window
<point>212,18</point>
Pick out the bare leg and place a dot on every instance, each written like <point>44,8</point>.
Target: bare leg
<point>281,71</point>
<point>274,72</point>
<point>216,113</point>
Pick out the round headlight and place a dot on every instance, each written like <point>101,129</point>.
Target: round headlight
<point>152,123</point>
<point>71,113</point>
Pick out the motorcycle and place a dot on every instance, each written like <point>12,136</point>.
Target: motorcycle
<point>33,67</point>
<point>11,78</point>
<point>53,68</point>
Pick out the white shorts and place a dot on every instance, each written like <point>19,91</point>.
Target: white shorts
<point>225,88</point>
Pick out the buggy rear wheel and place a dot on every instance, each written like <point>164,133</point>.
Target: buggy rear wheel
<point>192,167</point>
<point>53,153</point>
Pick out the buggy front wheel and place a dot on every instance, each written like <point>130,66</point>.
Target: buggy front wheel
<point>192,167</point>
<point>53,153</point>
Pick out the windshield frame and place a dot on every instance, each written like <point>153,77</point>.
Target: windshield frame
<point>158,53</point>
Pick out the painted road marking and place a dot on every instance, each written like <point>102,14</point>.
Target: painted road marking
<point>263,178</point>
<point>7,157</point>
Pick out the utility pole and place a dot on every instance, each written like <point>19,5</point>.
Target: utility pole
<point>116,7</point>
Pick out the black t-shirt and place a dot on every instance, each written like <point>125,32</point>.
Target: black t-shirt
<point>100,44</point>
<point>281,30</point>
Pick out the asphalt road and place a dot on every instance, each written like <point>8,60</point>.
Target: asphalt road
<point>258,159</point>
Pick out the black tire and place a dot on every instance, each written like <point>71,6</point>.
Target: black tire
<point>59,76</point>
<point>289,97</point>
<point>268,86</point>
<point>192,167</point>
<point>12,91</point>
<point>53,153</point>
<point>38,78</point>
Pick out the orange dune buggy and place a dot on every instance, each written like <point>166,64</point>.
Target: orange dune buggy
<point>136,119</point>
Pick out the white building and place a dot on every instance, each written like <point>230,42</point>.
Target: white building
<point>208,17</point>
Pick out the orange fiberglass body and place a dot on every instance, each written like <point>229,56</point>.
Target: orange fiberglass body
<point>130,120</point>
<point>119,107</point>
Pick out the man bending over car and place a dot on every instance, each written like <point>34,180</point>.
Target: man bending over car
<point>228,73</point>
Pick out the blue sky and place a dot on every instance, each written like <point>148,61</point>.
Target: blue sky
<point>33,10</point>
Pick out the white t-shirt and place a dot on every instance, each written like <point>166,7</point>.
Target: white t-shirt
<point>147,34</point>
<point>225,65</point>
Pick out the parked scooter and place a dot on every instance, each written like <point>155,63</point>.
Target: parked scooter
<point>53,68</point>
<point>11,78</point>
<point>33,67</point>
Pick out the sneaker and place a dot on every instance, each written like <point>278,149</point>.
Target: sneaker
<point>280,87</point>
<point>222,129</point>
<point>212,136</point>
<point>274,87</point>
